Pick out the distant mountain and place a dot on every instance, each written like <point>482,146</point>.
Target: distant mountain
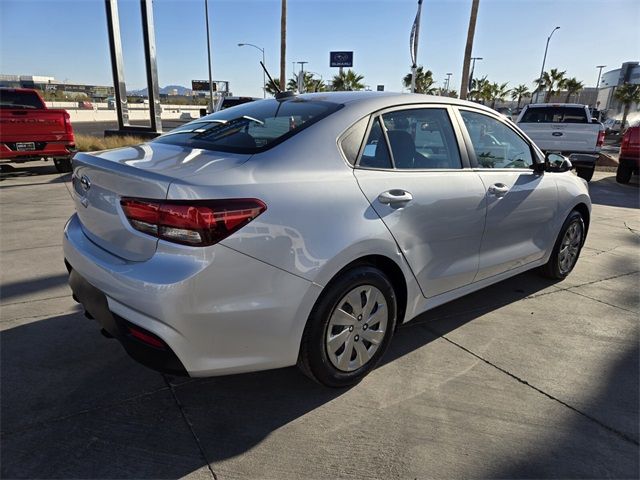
<point>165,90</point>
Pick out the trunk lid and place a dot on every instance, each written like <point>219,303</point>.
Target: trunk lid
<point>101,179</point>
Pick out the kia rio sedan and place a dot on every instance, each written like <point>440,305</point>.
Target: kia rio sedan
<point>305,229</point>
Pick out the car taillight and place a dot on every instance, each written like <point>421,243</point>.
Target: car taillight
<point>197,223</point>
<point>67,123</point>
<point>600,141</point>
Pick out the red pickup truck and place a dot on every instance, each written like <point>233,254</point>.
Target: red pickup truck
<point>31,131</point>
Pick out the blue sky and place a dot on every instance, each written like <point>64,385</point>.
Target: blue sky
<point>68,38</point>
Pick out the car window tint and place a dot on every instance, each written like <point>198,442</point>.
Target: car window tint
<point>15,99</point>
<point>422,139</point>
<point>376,153</point>
<point>555,115</point>
<point>250,127</point>
<point>351,141</point>
<point>495,144</point>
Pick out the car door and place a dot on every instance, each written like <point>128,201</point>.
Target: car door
<point>414,171</point>
<point>521,204</point>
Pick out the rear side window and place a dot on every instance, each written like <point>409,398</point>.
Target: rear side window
<point>251,127</point>
<point>376,153</point>
<point>352,140</point>
<point>555,115</point>
<point>15,99</point>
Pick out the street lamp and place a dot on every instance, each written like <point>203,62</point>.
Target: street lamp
<point>448,80</point>
<point>264,79</point>
<point>206,15</point>
<point>599,67</point>
<point>544,59</point>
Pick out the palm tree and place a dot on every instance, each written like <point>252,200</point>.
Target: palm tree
<point>311,84</point>
<point>347,81</point>
<point>573,86</point>
<point>424,81</point>
<point>627,94</point>
<point>468,49</point>
<point>479,89</point>
<point>497,92</point>
<point>552,82</point>
<point>520,92</point>
<point>283,42</point>
<point>272,87</point>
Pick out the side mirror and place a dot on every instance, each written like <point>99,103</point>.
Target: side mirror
<point>557,163</point>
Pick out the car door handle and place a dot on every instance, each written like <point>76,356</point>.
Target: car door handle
<point>394,197</point>
<point>498,189</point>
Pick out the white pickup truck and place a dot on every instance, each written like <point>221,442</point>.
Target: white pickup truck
<point>566,128</point>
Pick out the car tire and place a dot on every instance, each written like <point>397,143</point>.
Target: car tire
<point>336,338</point>
<point>63,165</point>
<point>585,172</point>
<point>557,267</point>
<point>623,173</point>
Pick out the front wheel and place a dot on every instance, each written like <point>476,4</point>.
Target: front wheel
<point>63,165</point>
<point>585,172</point>
<point>567,248</point>
<point>349,328</point>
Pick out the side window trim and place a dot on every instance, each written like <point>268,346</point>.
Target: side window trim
<point>469,144</point>
<point>458,132</point>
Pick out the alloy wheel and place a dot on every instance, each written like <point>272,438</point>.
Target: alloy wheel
<point>570,247</point>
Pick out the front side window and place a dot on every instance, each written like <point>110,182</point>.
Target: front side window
<point>250,127</point>
<point>495,144</point>
<point>422,139</point>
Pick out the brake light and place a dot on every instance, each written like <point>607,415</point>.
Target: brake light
<point>196,223</point>
<point>600,141</point>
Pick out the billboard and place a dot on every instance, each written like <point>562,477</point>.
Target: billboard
<point>341,59</point>
<point>202,85</point>
<point>380,88</point>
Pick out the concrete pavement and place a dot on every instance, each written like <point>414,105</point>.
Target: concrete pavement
<point>527,378</point>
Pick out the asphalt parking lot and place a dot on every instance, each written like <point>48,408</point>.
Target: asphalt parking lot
<point>527,378</point>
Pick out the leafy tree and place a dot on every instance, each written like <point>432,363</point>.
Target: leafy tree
<point>347,81</point>
<point>572,85</point>
<point>627,94</point>
<point>520,92</point>
<point>552,81</point>
<point>424,81</point>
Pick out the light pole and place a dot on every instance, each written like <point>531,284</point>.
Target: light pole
<point>473,69</point>
<point>264,78</point>
<point>448,81</point>
<point>206,16</point>
<point>301,77</point>
<point>599,67</point>
<point>544,59</point>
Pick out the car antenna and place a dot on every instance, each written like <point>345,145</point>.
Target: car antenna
<point>279,94</point>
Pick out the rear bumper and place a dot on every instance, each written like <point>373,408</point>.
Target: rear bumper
<point>217,310</point>
<point>61,149</point>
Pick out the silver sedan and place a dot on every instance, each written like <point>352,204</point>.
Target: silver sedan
<point>305,229</point>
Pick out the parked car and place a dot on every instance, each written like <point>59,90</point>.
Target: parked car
<point>613,126</point>
<point>31,131</point>
<point>566,128</point>
<point>305,229</point>
<point>85,105</point>
<point>629,159</point>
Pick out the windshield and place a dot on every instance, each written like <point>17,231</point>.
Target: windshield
<point>251,127</point>
<point>16,99</point>
<point>555,115</point>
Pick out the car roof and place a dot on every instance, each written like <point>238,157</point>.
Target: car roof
<point>379,100</point>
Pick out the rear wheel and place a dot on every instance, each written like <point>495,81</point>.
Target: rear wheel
<point>349,328</point>
<point>63,165</point>
<point>567,248</point>
<point>585,172</point>
<point>623,173</point>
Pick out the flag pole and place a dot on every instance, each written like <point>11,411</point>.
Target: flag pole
<point>413,47</point>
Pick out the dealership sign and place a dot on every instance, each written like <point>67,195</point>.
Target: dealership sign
<point>341,59</point>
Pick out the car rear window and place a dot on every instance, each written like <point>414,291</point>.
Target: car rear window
<point>251,127</point>
<point>555,115</point>
<point>16,99</point>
